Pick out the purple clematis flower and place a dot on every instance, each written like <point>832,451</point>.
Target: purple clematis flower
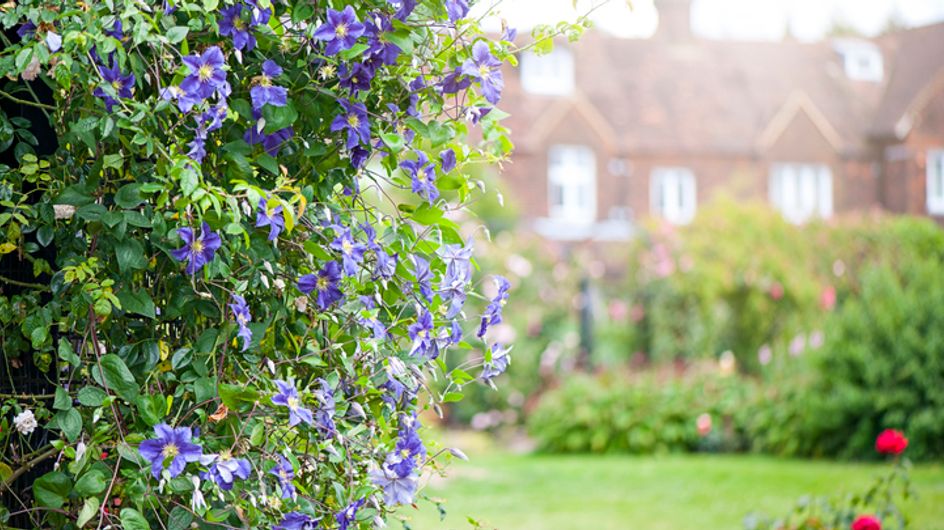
<point>423,174</point>
<point>348,516</point>
<point>497,366</point>
<point>297,521</point>
<point>397,489</point>
<point>325,282</point>
<point>258,16</point>
<point>273,218</point>
<point>172,444</point>
<point>359,156</point>
<point>224,470</point>
<point>455,81</point>
<point>404,8</point>
<point>122,84</point>
<point>510,34</point>
<point>379,47</point>
<point>354,119</point>
<point>288,397</point>
<point>352,252</point>
<point>493,313</point>
<point>264,92</point>
<point>233,25</point>
<point>458,262</point>
<point>197,251</point>
<point>385,266</point>
<point>271,143</point>
<point>340,31</point>
<point>453,292</point>
<point>207,122</point>
<point>117,30</point>
<point>484,67</point>
<point>372,322</point>
<point>421,333</point>
<point>423,277</point>
<point>324,416</point>
<point>356,78</point>
<point>185,101</point>
<point>53,41</point>
<point>207,76</point>
<point>447,160</point>
<point>26,30</point>
<point>285,473</point>
<point>457,9</point>
<point>242,316</point>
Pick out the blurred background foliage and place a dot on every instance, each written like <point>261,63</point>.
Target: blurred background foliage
<point>738,332</point>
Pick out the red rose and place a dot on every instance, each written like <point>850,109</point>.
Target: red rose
<point>891,442</point>
<point>866,522</point>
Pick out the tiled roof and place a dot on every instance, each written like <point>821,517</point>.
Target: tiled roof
<point>701,96</point>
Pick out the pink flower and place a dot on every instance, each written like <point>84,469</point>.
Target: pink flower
<point>703,423</point>
<point>866,522</point>
<point>776,291</point>
<point>827,299</point>
<point>891,442</point>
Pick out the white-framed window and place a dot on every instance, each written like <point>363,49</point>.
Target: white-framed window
<point>862,60</point>
<point>550,74</point>
<point>935,170</point>
<point>802,191</point>
<point>673,195</point>
<point>572,184</point>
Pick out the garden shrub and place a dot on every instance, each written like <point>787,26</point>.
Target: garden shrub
<point>882,367</point>
<point>617,413</point>
<point>245,264</point>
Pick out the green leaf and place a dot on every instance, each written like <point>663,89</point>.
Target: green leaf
<point>119,378</point>
<point>451,397</point>
<point>5,472</point>
<point>129,196</point>
<point>427,215</point>
<point>177,34</point>
<point>52,489</point>
<point>393,141</point>
<point>353,51</point>
<point>179,519</point>
<point>204,389</point>
<point>277,118</point>
<point>236,396</point>
<point>132,519</point>
<point>45,234</point>
<point>70,423</point>
<point>91,483</point>
<point>138,302</point>
<point>62,401</point>
<point>92,396</point>
<point>67,354</point>
<point>130,254</point>
<point>88,511</point>
<point>439,133</point>
<point>151,408</point>
<point>114,161</point>
<point>268,163</point>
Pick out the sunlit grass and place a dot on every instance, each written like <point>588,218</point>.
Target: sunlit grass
<point>676,492</point>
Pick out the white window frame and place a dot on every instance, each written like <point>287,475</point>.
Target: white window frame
<point>801,191</point>
<point>572,184</point>
<point>673,194</point>
<point>935,181</point>
<point>551,74</point>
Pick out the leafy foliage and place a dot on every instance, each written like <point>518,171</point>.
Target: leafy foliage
<point>246,264</point>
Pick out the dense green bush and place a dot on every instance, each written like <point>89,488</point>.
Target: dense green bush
<point>882,366</point>
<point>649,414</point>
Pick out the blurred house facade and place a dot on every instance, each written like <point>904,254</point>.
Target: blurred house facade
<point>613,130</point>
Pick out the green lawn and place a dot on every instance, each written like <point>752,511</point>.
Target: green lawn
<point>703,492</point>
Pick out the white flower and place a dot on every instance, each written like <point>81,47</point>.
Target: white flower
<point>63,211</point>
<point>25,422</point>
<point>197,502</point>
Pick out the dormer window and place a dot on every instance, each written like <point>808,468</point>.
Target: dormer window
<point>861,60</point>
<point>551,74</point>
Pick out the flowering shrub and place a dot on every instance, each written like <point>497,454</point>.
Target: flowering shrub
<point>246,264</point>
<point>873,509</point>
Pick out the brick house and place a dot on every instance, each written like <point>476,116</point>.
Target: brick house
<point>613,130</point>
